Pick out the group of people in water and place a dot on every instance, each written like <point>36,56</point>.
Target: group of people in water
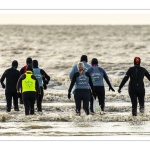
<point>28,84</point>
<point>87,84</point>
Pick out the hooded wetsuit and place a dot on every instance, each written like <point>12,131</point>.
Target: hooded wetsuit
<point>136,86</point>
<point>83,83</point>
<point>97,75</point>
<point>12,75</point>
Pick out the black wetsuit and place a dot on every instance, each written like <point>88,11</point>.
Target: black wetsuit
<point>136,86</point>
<point>12,75</point>
<point>81,94</point>
<point>98,74</point>
<point>28,97</point>
<point>39,99</point>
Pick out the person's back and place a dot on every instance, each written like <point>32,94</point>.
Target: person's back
<point>23,70</point>
<point>37,73</point>
<point>82,81</point>
<point>136,74</point>
<point>75,68</point>
<point>43,80</point>
<point>136,85</point>
<point>12,75</point>
<point>30,87</point>
<point>97,73</point>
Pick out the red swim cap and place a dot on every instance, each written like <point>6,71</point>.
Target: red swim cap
<point>137,60</point>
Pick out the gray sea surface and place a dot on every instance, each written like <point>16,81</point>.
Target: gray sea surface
<point>57,49</point>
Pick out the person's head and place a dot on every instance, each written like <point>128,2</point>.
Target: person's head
<point>81,66</point>
<point>29,61</point>
<point>15,64</point>
<point>35,63</point>
<point>94,62</point>
<point>84,58</point>
<point>29,68</point>
<point>137,61</point>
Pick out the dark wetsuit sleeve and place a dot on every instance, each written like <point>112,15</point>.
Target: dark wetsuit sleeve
<point>73,80</point>
<point>90,82</point>
<point>21,70</point>
<point>18,74</point>
<point>44,74</point>
<point>3,77</point>
<point>107,79</point>
<point>125,79</point>
<point>147,75</point>
<point>19,83</point>
<point>36,84</point>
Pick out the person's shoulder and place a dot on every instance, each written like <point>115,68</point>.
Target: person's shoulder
<point>88,65</point>
<point>75,65</point>
<point>23,76</point>
<point>22,69</point>
<point>143,68</point>
<point>76,74</point>
<point>101,69</point>
<point>41,70</point>
<point>33,76</point>
<point>87,74</point>
<point>90,69</point>
<point>16,70</point>
<point>5,72</point>
<point>8,70</point>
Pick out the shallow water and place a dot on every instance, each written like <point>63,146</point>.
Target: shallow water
<point>58,48</point>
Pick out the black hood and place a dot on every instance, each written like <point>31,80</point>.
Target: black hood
<point>94,61</point>
<point>15,64</point>
<point>35,64</point>
<point>83,58</point>
<point>29,60</point>
<point>29,68</point>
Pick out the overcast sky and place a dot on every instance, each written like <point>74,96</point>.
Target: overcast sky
<point>75,19</point>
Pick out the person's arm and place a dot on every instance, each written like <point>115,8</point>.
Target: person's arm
<point>107,79</point>
<point>73,71</point>
<point>124,80</point>
<point>147,74</point>
<point>3,78</point>
<point>19,83</point>
<point>90,70</point>
<point>73,81</point>
<point>18,75</point>
<point>21,71</point>
<point>44,74</point>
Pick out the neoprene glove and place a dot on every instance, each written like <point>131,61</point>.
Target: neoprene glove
<point>119,90</point>
<point>45,81</point>
<point>45,87</point>
<point>19,95</point>
<point>110,88</point>
<point>69,95</point>
<point>3,86</point>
